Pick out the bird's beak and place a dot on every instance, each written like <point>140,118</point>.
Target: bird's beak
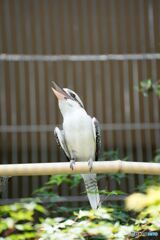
<point>59,92</point>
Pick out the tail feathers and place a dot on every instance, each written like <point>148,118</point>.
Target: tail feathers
<point>92,189</point>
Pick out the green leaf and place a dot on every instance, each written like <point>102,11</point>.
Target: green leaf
<point>146,84</point>
<point>24,227</point>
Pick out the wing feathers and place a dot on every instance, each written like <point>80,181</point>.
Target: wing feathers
<point>60,139</point>
<point>97,135</point>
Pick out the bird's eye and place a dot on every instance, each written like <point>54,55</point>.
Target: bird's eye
<point>73,95</point>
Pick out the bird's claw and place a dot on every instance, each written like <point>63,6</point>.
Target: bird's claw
<point>90,164</point>
<point>72,164</point>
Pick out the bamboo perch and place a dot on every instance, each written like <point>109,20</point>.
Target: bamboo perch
<point>116,166</point>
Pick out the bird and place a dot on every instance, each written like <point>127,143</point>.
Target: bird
<point>79,137</point>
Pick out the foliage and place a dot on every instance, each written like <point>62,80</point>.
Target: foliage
<point>57,180</point>
<point>148,208</point>
<point>147,86</point>
<point>98,224</point>
<point>109,223</point>
<point>17,220</point>
<point>46,192</point>
<point>139,201</point>
<point>32,221</point>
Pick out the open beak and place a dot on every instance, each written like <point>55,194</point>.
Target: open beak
<point>59,92</point>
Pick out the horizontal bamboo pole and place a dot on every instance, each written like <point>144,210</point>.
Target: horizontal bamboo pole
<point>116,166</point>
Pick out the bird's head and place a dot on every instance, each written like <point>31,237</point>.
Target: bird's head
<point>68,100</point>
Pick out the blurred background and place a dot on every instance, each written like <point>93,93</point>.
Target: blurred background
<point>115,45</point>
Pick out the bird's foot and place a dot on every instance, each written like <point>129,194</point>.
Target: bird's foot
<point>72,163</point>
<point>90,164</point>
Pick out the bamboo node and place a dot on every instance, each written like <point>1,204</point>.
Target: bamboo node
<point>120,166</point>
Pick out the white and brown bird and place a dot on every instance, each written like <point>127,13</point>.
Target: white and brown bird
<point>79,138</point>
